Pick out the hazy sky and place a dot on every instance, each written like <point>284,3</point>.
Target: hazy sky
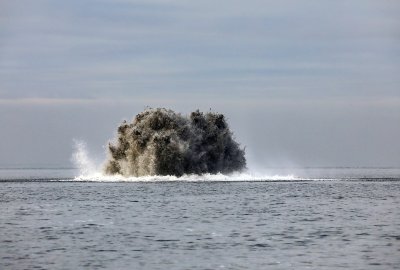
<point>303,82</point>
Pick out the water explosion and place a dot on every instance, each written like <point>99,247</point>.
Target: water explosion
<point>162,142</point>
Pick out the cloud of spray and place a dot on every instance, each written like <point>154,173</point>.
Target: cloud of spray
<point>162,142</point>
<point>91,171</point>
<point>81,159</point>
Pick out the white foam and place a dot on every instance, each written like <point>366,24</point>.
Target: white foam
<point>99,177</point>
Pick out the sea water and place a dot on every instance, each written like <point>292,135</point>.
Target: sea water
<point>315,218</point>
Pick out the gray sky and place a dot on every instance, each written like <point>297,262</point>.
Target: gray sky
<point>303,83</point>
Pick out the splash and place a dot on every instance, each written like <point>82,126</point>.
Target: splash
<point>81,159</point>
<point>161,145</point>
<point>160,142</point>
<point>90,172</point>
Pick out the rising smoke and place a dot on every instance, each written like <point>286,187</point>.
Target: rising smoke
<point>162,142</point>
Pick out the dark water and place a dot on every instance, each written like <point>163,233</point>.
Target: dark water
<point>200,225</point>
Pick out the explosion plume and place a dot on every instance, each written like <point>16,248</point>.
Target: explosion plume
<point>162,142</point>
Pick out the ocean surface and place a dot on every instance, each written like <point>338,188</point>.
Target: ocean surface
<point>314,218</point>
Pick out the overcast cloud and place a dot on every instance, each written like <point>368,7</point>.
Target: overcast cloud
<point>305,83</point>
